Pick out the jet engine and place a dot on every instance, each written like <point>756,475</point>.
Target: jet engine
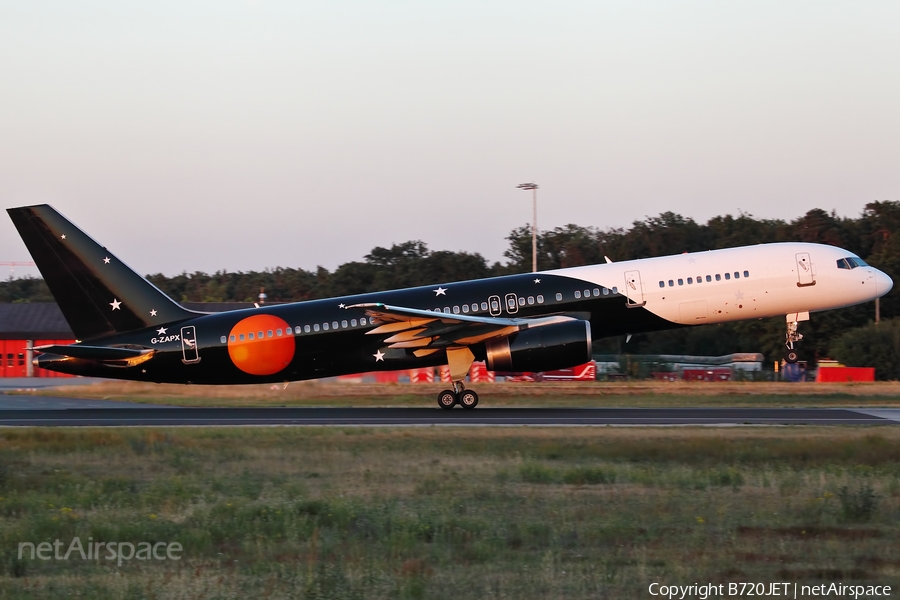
<point>544,348</point>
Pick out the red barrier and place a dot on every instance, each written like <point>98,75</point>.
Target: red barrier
<point>843,374</point>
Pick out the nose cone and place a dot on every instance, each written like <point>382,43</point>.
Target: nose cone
<point>883,283</point>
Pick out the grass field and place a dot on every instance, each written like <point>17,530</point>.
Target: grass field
<point>449,512</point>
<point>642,393</point>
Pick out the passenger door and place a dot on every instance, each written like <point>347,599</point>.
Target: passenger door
<point>189,350</point>
<point>634,291</point>
<point>805,274</point>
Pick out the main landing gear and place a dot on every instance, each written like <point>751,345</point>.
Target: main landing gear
<point>447,399</point>
<point>793,335</point>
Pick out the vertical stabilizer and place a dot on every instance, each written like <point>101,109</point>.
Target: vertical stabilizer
<point>97,293</point>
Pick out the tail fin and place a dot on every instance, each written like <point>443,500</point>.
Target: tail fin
<point>97,293</point>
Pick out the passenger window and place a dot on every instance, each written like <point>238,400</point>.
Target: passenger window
<point>681,282</point>
<point>671,282</point>
<point>456,310</point>
<point>577,294</point>
<point>727,276</point>
<point>558,297</point>
<point>737,275</point>
<point>718,277</point>
<point>223,339</point>
<point>587,293</point>
<point>447,309</point>
<point>353,323</point>
<point>261,336</point>
<point>708,278</point>
<point>306,329</point>
<point>475,306</point>
<point>521,301</point>
<point>466,308</point>
<point>690,280</point>
<point>316,327</point>
<point>484,306</point>
<point>344,324</point>
<point>662,284</point>
<point>530,299</point>
<point>250,336</point>
<point>540,299</point>
<point>232,338</point>
<point>511,302</point>
<point>495,306</point>
<point>334,324</point>
<point>699,279</point>
<point>746,273</point>
<point>269,333</point>
<point>278,332</point>
<point>596,291</point>
<point>605,291</point>
<point>615,290</point>
<point>242,337</point>
<point>362,321</point>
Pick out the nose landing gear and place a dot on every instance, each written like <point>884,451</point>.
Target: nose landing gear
<point>793,335</point>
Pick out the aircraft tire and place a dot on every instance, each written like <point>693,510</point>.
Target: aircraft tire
<point>790,357</point>
<point>447,399</point>
<point>468,399</point>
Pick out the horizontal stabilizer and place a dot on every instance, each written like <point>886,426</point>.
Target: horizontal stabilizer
<point>98,353</point>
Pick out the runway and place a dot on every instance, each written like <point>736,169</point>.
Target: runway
<point>70,412</point>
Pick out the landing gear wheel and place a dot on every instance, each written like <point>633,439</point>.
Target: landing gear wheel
<point>790,357</point>
<point>468,399</point>
<point>447,399</point>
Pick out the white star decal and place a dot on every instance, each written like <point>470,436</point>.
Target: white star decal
<point>739,295</point>
<point>440,292</point>
<point>161,331</point>
<point>115,304</point>
<point>379,356</point>
<point>537,280</point>
<point>153,313</point>
<point>106,261</point>
<point>62,237</point>
<point>692,259</point>
<point>342,305</point>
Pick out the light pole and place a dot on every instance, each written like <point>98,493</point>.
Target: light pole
<point>533,187</point>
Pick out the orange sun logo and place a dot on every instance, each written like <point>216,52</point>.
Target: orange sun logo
<point>261,345</point>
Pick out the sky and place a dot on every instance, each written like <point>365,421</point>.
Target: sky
<point>200,136</point>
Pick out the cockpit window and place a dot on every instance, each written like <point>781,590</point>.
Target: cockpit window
<point>851,262</point>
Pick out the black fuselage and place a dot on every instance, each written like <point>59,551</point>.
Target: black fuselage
<point>330,340</point>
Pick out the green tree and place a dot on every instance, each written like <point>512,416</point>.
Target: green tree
<point>875,345</point>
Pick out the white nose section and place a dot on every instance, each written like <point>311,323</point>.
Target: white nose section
<point>883,283</point>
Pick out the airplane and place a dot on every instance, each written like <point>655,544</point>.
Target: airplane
<point>129,329</point>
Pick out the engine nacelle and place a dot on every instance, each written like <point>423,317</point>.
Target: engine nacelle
<point>544,348</point>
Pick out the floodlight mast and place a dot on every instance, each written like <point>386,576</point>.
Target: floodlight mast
<point>533,187</point>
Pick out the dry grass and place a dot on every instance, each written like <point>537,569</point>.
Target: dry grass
<point>450,513</point>
<point>331,393</point>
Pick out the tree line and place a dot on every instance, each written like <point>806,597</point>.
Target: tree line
<point>874,236</point>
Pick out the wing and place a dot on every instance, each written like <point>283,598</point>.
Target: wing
<point>427,332</point>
